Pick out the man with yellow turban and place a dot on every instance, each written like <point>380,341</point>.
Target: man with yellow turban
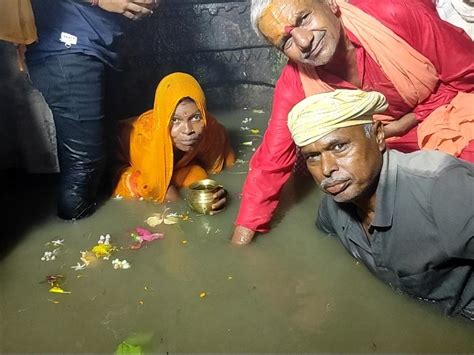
<point>408,217</point>
<point>176,143</point>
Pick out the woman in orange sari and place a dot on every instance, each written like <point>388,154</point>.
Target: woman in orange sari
<point>173,145</point>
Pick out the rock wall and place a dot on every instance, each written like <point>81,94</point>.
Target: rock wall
<point>212,40</point>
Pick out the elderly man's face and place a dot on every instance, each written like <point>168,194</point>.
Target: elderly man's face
<point>346,163</point>
<point>307,31</point>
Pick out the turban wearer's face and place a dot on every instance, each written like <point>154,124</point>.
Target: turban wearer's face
<point>306,31</point>
<point>346,163</point>
<point>186,126</point>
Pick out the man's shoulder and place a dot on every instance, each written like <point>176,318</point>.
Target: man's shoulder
<point>289,85</point>
<point>289,71</point>
<point>425,164</point>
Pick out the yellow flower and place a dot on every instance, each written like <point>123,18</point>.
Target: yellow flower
<point>102,250</point>
<point>57,289</point>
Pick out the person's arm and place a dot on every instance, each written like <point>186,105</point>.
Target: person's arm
<point>401,126</point>
<point>272,163</point>
<point>452,202</point>
<point>132,9</point>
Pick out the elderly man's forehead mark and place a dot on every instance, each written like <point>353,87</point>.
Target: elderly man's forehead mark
<point>274,20</point>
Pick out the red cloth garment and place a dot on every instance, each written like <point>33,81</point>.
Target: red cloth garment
<point>419,25</point>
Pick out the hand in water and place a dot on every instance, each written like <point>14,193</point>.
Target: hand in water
<point>242,235</point>
<point>132,9</point>
<point>220,196</point>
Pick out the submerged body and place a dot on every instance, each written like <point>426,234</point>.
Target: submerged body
<point>407,217</point>
<point>421,239</point>
<point>173,145</point>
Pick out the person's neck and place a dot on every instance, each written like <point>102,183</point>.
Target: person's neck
<point>177,154</point>
<point>344,64</point>
<point>366,204</point>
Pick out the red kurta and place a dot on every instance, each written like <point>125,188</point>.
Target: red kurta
<point>449,49</point>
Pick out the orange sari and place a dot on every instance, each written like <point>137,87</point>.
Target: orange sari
<point>147,146</point>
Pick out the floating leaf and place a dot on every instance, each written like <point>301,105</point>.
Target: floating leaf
<point>155,220</point>
<point>171,219</point>
<point>127,349</point>
<point>134,344</point>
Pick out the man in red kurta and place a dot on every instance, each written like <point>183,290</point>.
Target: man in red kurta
<point>310,32</point>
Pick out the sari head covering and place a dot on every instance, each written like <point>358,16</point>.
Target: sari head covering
<point>150,144</point>
<point>320,114</point>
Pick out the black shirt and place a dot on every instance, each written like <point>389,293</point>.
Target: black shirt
<point>67,26</point>
<point>421,240</point>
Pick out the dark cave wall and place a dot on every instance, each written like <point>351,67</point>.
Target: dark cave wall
<point>211,40</point>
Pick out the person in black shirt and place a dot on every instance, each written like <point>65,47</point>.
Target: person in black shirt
<point>77,41</point>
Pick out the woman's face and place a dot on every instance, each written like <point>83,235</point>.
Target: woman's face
<point>186,126</point>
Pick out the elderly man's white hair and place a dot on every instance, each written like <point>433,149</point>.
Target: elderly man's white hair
<point>256,9</point>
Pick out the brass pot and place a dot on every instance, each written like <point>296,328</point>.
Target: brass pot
<point>200,198</point>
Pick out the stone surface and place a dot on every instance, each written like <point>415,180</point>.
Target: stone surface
<point>213,41</point>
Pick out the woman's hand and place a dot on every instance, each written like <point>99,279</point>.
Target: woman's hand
<point>172,194</point>
<point>220,196</point>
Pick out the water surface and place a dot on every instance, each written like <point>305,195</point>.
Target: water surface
<point>292,290</point>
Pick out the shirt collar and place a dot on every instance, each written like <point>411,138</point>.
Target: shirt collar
<point>386,190</point>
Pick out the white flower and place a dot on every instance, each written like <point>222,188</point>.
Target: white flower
<point>48,256</point>
<point>57,242</point>
<point>121,264</point>
<point>78,267</point>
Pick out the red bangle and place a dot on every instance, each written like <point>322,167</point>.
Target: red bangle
<point>94,2</point>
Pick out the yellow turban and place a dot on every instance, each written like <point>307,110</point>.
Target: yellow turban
<point>320,114</point>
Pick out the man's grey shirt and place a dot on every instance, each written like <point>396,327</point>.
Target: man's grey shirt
<point>421,240</point>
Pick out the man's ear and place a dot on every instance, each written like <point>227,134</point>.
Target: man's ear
<point>379,133</point>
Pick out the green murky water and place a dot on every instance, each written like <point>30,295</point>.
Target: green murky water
<point>293,290</point>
